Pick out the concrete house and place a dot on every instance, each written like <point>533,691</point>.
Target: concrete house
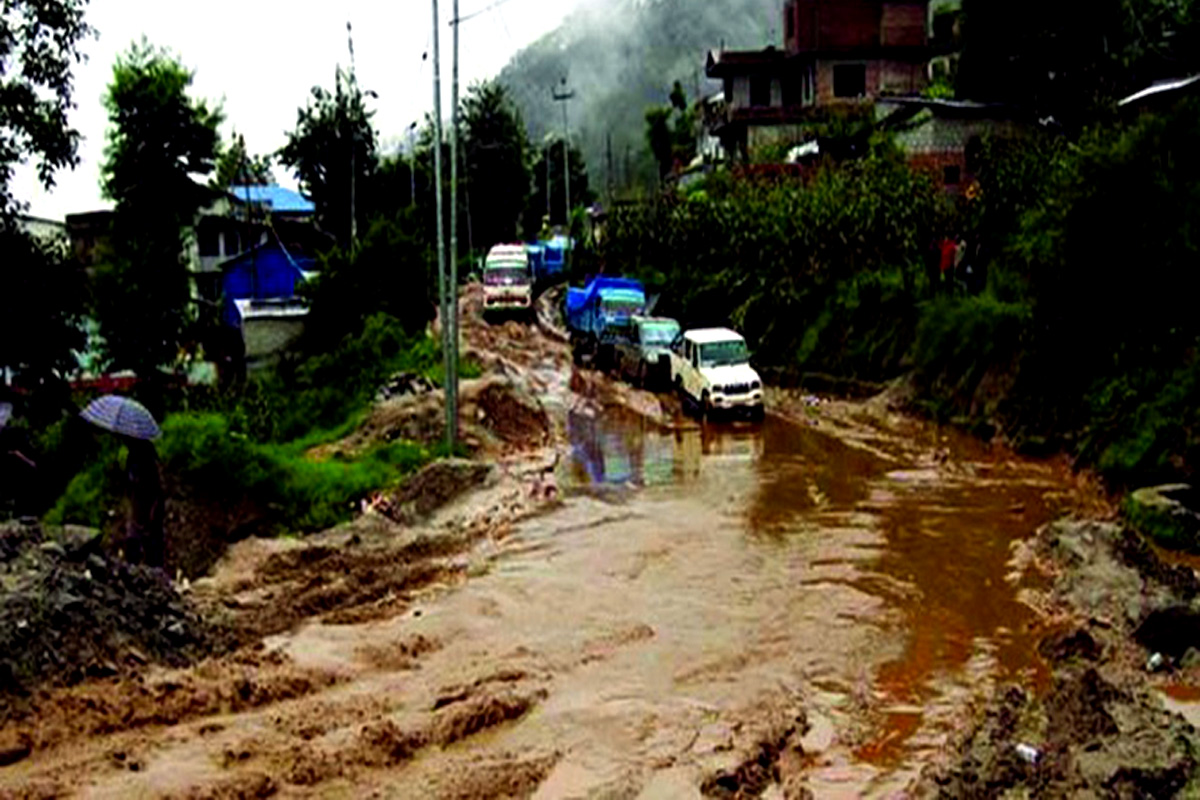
<point>836,53</point>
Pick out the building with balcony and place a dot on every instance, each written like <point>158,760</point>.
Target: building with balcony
<point>836,54</point>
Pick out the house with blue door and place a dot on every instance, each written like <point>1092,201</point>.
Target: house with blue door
<point>260,298</point>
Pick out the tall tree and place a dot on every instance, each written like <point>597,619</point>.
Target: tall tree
<point>495,147</point>
<point>1069,61</point>
<point>40,304</point>
<point>39,45</point>
<point>41,308</point>
<point>159,141</point>
<point>333,141</point>
<point>671,132</point>
<point>236,167</point>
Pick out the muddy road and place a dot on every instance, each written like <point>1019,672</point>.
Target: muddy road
<point>640,606</point>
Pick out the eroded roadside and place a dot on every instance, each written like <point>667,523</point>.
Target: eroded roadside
<point>621,603</point>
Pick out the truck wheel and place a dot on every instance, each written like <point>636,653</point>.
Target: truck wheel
<point>757,414</point>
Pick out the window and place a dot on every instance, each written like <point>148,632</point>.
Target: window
<point>849,80</point>
<point>793,91</point>
<point>209,241</point>
<point>952,175</point>
<point>760,91</point>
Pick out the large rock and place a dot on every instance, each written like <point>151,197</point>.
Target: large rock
<point>434,486</point>
<point>1166,514</point>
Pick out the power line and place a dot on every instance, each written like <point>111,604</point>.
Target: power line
<point>483,10</point>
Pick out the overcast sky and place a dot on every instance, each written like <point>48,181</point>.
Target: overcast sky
<point>260,58</point>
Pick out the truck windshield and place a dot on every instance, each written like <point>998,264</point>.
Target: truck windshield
<point>505,276</point>
<point>620,306</point>
<point>721,354</point>
<point>661,333</point>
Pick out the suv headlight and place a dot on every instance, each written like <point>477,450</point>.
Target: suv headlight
<point>755,385</point>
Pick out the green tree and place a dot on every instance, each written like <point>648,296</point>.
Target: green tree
<point>159,141</point>
<point>236,167</point>
<point>389,272</point>
<point>41,309</point>
<point>1071,61</point>
<point>40,304</point>
<point>550,159</point>
<point>495,149</point>
<point>39,45</point>
<point>332,152</point>
<point>671,133</point>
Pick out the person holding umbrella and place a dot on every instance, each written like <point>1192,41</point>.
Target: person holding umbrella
<point>145,539</point>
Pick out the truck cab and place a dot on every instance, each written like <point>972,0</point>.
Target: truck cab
<point>507,280</point>
<point>711,368</point>
<point>599,314</point>
<point>644,356</point>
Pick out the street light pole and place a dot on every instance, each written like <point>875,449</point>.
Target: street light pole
<point>451,400</point>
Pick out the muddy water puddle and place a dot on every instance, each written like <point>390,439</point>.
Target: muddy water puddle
<point>901,545</point>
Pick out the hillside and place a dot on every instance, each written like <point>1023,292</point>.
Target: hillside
<point>620,57</point>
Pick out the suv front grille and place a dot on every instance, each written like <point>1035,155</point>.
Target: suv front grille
<point>736,388</point>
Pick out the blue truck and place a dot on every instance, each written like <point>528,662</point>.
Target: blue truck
<point>600,315</point>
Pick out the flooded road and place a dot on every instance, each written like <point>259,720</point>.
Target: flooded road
<point>879,563</point>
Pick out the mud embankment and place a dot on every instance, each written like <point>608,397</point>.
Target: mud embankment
<point>1100,728</point>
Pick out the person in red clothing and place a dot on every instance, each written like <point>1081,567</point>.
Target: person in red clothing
<point>949,250</point>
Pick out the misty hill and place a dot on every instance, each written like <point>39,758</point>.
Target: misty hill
<point>621,57</point>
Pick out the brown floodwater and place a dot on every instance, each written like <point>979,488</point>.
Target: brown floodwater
<point>923,525</point>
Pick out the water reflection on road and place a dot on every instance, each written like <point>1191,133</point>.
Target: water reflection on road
<point>926,533</point>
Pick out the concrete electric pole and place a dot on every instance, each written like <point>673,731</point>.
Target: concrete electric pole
<point>563,97</point>
<point>443,307</point>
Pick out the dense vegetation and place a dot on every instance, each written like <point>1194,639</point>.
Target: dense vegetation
<point>1079,338</point>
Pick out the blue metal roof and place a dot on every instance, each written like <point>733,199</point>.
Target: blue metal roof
<point>276,198</point>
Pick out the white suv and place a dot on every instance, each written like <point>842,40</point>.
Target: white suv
<point>711,368</point>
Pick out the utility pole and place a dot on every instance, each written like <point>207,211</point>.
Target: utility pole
<point>608,177</point>
<point>353,141</point>
<point>563,97</point>
<point>451,399</point>
<point>453,296</point>
<point>412,165</point>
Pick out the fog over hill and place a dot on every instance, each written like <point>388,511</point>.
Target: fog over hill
<point>622,56</point>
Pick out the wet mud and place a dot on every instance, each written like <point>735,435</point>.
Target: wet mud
<point>630,604</point>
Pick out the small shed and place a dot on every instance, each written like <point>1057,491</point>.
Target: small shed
<point>259,298</point>
<point>265,272</point>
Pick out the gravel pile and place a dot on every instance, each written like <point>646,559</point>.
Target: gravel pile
<point>69,611</point>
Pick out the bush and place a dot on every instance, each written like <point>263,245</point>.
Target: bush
<point>203,451</point>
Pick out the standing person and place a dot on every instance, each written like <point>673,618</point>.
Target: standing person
<point>145,539</point>
<point>949,252</point>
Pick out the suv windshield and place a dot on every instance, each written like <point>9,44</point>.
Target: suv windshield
<point>721,354</point>
<point>501,276</point>
<point>659,333</point>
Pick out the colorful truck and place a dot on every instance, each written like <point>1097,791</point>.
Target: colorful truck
<point>600,314</point>
<point>507,280</point>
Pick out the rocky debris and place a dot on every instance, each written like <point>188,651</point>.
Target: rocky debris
<point>403,384</point>
<point>69,612</point>
<point>1092,738</point>
<point>429,489</point>
<point>1166,514</point>
<point>1100,730</point>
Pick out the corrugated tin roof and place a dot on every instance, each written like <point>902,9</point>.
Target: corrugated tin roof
<point>277,198</point>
